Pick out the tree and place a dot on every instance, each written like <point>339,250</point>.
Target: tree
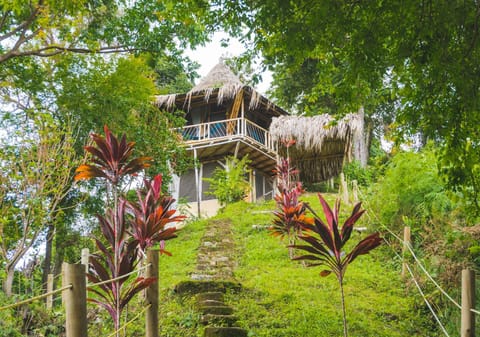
<point>420,56</point>
<point>46,28</point>
<point>36,173</point>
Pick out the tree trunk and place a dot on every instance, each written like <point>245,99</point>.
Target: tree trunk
<point>8,283</point>
<point>48,256</point>
<point>361,140</point>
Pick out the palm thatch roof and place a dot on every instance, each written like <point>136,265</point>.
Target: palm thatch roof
<point>220,85</point>
<point>321,143</point>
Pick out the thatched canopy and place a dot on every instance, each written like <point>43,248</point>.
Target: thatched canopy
<point>220,86</point>
<point>321,143</point>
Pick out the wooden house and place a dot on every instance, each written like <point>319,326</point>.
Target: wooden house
<point>227,118</point>
<point>224,118</point>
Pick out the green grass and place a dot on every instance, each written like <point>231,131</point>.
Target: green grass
<point>284,298</point>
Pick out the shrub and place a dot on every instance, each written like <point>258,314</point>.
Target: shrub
<point>229,185</point>
<point>412,188</point>
<point>354,171</point>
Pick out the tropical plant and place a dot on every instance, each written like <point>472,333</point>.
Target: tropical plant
<point>290,211</point>
<point>325,243</point>
<point>151,214</point>
<point>124,240</point>
<point>229,185</point>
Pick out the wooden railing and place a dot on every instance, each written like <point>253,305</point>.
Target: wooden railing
<point>226,129</point>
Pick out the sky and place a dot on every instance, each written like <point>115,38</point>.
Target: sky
<point>209,55</point>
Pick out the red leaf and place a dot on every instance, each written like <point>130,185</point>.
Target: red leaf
<point>325,273</point>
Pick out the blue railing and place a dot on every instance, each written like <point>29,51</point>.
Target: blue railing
<point>225,129</point>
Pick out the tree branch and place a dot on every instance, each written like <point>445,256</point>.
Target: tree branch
<point>4,19</point>
<point>24,25</point>
<point>55,50</point>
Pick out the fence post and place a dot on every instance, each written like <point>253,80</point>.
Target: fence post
<point>49,290</point>
<point>75,300</point>
<point>468,303</point>
<point>355,190</point>
<point>407,241</point>
<point>85,257</point>
<point>151,315</point>
<point>343,189</point>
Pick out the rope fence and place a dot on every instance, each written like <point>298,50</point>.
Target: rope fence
<point>468,323</point>
<point>136,271</point>
<point>427,303</point>
<point>35,298</point>
<point>74,299</point>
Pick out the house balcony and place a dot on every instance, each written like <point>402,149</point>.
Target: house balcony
<point>238,137</point>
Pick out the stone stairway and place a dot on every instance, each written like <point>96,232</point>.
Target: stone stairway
<point>212,278</point>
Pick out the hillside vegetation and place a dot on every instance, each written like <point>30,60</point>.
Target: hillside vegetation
<point>284,298</point>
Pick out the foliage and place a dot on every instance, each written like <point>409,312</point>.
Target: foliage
<point>354,171</point>
<point>47,28</point>
<point>124,241</point>
<point>229,185</point>
<point>290,211</point>
<point>285,299</point>
<point>152,212</point>
<point>411,187</point>
<point>35,177</point>
<point>326,248</point>
<point>110,159</point>
<point>397,59</point>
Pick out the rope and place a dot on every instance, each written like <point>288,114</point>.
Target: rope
<point>119,277</point>
<point>32,299</point>
<point>130,321</point>
<point>409,247</point>
<point>426,302</point>
<point>475,311</point>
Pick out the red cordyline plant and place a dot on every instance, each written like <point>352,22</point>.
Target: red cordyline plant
<point>151,214</point>
<point>124,240</point>
<point>291,212</point>
<point>325,243</point>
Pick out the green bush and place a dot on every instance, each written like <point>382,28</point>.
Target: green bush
<point>354,171</point>
<point>229,185</point>
<point>410,189</point>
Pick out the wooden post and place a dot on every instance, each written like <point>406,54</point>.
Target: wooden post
<point>151,315</point>
<point>75,300</point>
<point>355,190</point>
<point>331,184</point>
<point>49,290</point>
<point>468,303</point>
<point>343,189</point>
<point>407,241</point>
<point>197,182</point>
<point>85,257</point>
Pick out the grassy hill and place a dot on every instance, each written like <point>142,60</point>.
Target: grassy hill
<point>281,297</point>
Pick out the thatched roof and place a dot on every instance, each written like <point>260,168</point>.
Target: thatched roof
<point>220,85</point>
<point>321,143</point>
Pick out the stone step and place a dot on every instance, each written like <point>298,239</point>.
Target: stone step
<point>225,332</point>
<point>216,310</point>
<point>210,303</point>
<point>212,296</point>
<point>195,287</point>
<point>219,320</point>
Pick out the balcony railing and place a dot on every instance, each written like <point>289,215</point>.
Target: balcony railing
<point>226,129</point>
